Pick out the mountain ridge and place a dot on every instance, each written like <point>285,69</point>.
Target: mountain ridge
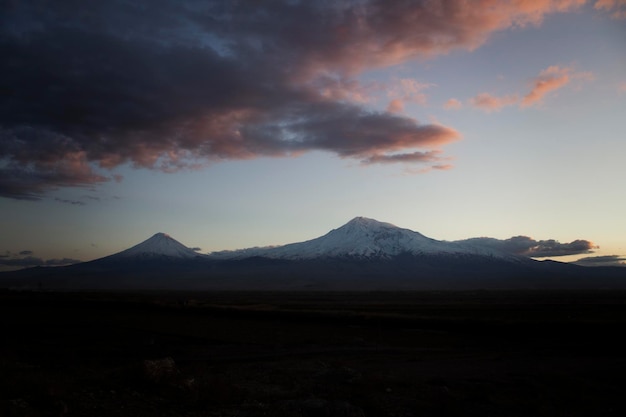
<point>363,237</point>
<point>361,255</point>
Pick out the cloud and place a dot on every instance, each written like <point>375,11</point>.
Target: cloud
<point>395,106</point>
<point>61,262</point>
<point>607,260</point>
<point>25,259</point>
<point>452,104</point>
<point>548,80</point>
<point>196,249</point>
<point>616,7</point>
<point>406,90</point>
<point>490,103</point>
<point>432,156</point>
<point>527,246</point>
<point>170,85</point>
<point>72,202</point>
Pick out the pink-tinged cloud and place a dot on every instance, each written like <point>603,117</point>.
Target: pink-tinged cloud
<point>170,85</point>
<point>453,104</point>
<point>395,106</point>
<point>622,87</point>
<point>343,89</point>
<point>406,90</point>
<point>617,8</point>
<point>488,102</point>
<point>549,80</point>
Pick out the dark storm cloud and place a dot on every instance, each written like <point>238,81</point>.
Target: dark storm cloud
<point>527,246</point>
<point>607,260</point>
<point>171,84</point>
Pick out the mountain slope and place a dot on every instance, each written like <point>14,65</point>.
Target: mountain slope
<point>369,239</point>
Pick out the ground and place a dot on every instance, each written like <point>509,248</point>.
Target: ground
<point>313,354</point>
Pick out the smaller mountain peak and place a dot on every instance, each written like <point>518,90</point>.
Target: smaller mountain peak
<point>160,244</point>
<point>162,235</point>
<point>365,222</point>
<point>361,219</point>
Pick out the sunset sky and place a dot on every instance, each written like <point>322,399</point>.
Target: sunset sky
<point>230,124</point>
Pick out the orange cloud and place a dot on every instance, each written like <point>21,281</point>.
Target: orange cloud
<point>550,79</point>
<point>343,89</point>
<point>406,90</point>
<point>616,7</point>
<point>395,106</point>
<point>453,104</point>
<point>404,30</point>
<point>490,103</point>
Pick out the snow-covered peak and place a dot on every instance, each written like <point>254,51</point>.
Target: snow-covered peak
<point>365,225</point>
<point>159,245</point>
<point>363,238</point>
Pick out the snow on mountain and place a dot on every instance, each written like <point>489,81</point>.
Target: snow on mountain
<point>159,245</point>
<point>365,238</point>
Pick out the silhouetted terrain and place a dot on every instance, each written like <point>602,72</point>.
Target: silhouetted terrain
<point>479,353</point>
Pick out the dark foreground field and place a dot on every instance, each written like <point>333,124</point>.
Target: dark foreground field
<point>313,354</point>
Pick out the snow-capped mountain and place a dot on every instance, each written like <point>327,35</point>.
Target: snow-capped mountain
<point>161,245</point>
<point>366,238</point>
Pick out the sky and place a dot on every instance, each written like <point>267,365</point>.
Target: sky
<point>237,124</point>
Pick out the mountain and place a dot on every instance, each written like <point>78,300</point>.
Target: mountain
<point>159,246</point>
<point>368,239</point>
<point>362,255</point>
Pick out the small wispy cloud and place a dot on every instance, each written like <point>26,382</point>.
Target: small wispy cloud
<point>72,202</point>
<point>489,103</point>
<point>549,80</point>
<point>617,8</point>
<point>431,156</point>
<point>453,104</point>
<point>406,90</point>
